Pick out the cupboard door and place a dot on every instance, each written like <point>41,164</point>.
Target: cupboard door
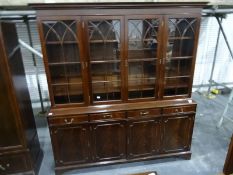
<point>177,133</point>
<point>179,54</point>
<point>109,140</point>
<point>143,52</point>
<point>71,144</point>
<point>144,137</point>
<point>105,53</point>
<point>62,50</point>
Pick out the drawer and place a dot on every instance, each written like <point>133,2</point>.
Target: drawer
<point>179,109</point>
<point>144,113</point>
<point>68,120</point>
<point>106,116</point>
<point>16,163</point>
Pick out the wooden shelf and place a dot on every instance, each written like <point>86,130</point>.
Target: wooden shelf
<point>179,76</point>
<point>63,63</point>
<point>180,38</point>
<point>104,61</point>
<point>64,42</point>
<point>176,86</point>
<point>179,58</point>
<point>133,40</point>
<point>103,41</point>
<point>70,80</point>
<point>141,59</point>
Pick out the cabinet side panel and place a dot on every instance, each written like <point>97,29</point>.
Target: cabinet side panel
<point>9,135</point>
<point>20,89</point>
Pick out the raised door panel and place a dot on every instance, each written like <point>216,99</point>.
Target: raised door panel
<point>71,144</point>
<point>177,133</point>
<point>63,56</point>
<point>144,137</point>
<point>181,34</point>
<point>143,42</point>
<point>105,58</point>
<point>109,141</point>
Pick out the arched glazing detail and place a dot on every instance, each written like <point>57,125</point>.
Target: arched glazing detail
<point>62,52</point>
<point>179,55</point>
<point>142,57</point>
<point>104,44</point>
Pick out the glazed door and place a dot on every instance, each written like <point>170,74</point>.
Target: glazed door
<point>105,58</point>
<point>177,133</point>
<point>142,43</point>
<point>181,35</point>
<point>71,144</point>
<point>144,137</point>
<point>109,140</point>
<point>65,66</point>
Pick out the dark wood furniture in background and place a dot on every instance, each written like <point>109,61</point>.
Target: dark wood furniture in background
<point>19,145</point>
<point>120,79</point>
<point>228,166</point>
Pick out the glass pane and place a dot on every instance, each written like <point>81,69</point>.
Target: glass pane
<point>142,57</point>
<point>75,93</point>
<point>57,73</point>
<point>60,30</point>
<point>106,79</point>
<point>60,93</point>
<point>142,38</point>
<point>181,37</point>
<point>63,60</point>
<point>177,67</point>
<point>108,90</point>
<point>176,86</point>
<point>104,40</point>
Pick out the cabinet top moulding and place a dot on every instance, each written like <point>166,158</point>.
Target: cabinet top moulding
<point>116,5</point>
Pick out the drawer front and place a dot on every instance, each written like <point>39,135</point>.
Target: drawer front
<point>17,163</point>
<point>68,120</point>
<point>180,109</point>
<point>144,113</point>
<point>108,116</point>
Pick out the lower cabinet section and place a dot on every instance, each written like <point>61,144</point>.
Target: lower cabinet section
<point>104,138</point>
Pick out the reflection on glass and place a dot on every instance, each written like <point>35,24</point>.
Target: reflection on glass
<point>181,37</point>
<point>142,38</point>
<point>142,55</point>
<point>104,40</point>
<point>179,55</point>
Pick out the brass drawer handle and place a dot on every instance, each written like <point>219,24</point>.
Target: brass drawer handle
<point>2,168</point>
<point>144,113</point>
<point>69,122</point>
<point>181,110</point>
<point>107,116</point>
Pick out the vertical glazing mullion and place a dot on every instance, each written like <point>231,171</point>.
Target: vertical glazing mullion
<point>65,72</point>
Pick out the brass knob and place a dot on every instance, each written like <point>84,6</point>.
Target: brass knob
<point>69,122</point>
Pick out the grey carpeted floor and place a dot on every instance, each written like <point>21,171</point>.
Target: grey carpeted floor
<point>209,147</point>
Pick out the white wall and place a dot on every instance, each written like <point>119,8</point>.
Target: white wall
<point>223,72</point>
